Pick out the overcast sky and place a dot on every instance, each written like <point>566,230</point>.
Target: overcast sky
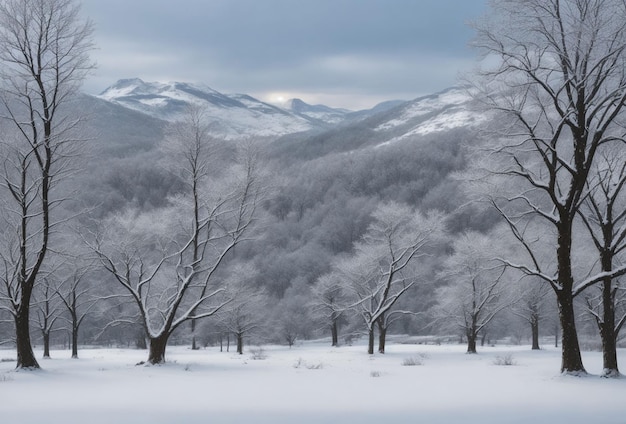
<point>342,53</point>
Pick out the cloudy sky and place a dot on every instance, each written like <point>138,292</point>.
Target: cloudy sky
<point>342,53</point>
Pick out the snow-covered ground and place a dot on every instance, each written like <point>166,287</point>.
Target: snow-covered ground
<point>311,383</point>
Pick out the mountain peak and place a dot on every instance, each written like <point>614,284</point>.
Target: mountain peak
<point>122,87</point>
<point>296,105</point>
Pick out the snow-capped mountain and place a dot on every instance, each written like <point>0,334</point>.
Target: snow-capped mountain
<point>425,119</point>
<point>306,126</point>
<point>443,111</point>
<point>232,116</point>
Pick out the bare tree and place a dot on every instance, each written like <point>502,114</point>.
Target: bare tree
<point>531,306</point>
<point>559,89</point>
<point>329,303</point>
<point>169,271</point>
<point>247,311</point>
<point>190,153</point>
<point>47,310</point>
<point>386,264</point>
<point>44,51</point>
<point>76,296</point>
<point>474,292</point>
<point>604,215</point>
<point>291,322</point>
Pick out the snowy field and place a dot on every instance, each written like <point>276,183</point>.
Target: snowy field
<point>310,383</point>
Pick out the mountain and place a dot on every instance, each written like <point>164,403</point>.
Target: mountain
<point>421,120</point>
<point>296,130</point>
<point>232,116</point>
<point>437,113</point>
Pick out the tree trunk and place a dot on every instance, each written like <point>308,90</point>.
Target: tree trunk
<point>370,344</point>
<point>158,344</point>
<point>382,336</point>
<point>471,341</point>
<point>607,332</point>
<point>556,333</point>
<point>46,344</point>
<point>194,345</point>
<point>240,343</point>
<point>75,341</point>
<point>25,355</point>
<point>334,331</point>
<point>609,351</point>
<point>534,329</point>
<point>571,359</point>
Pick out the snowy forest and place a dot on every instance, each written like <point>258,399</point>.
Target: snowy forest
<point>119,229</point>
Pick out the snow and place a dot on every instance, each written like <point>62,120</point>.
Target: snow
<point>310,383</point>
<point>114,92</point>
<point>445,121</point>
<point>255,118</point>
<point>426,105</point>
<point>440,112</point>
<point>154,102</point>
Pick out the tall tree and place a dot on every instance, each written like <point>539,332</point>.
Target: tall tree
<point>190,154</point>
<point>44,55</point>
<point>604,216</point>
<point>558,87</point>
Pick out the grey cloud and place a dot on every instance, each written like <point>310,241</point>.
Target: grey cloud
<point>306,45</point>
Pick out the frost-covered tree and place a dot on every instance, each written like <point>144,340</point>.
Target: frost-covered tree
<point>247,311</point>
<point>475,288</point>
<point>190,155</point>
<point>166,261</point>
<point>44,56</point>
<point>329,303</point>
<point>386,263</point>
<point>556,80</point>
<point>532,305</point>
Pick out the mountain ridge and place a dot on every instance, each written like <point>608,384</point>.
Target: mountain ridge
<point>296,126</point>
<point>232,116</point>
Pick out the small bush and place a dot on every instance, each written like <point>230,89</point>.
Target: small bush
<point>4,377</point>
<point>375,374</point>
<point>505,360</point>
<point>258,354</point>
<point>412,361</point>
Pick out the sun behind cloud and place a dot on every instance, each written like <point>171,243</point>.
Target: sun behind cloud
<point>278,98</point>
